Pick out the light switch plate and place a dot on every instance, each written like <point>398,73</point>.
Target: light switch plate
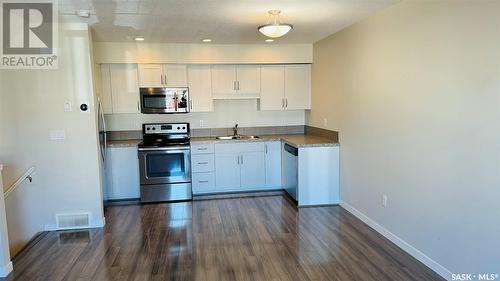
<point>57,134</point>
<point>68,106</point>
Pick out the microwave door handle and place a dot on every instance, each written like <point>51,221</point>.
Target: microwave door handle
<point>176,99</point>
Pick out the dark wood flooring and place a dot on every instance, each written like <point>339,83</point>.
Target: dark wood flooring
<point>252,238</point>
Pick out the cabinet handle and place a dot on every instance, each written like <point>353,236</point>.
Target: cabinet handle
<point>161,77</point>
<point>234,85</point>
<point>138,107</point>
<point>238,83</point>
<point>202,148</point>
<point>202,181</point>
<point>166,80</point>
<point>190,104</point>
<point>241,159</point>
<point>238,159</point>
<point>265,148</point>
<point>282,102</point>
<point>286,102</point>
<point>202,163</point>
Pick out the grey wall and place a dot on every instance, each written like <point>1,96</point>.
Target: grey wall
<point>67,179</point>
<point>414,92</point>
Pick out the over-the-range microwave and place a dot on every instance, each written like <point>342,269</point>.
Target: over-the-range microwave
<point>164,100</point>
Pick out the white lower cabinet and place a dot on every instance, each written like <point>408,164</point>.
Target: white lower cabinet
<point>253,170</point>
<point>203,167</point>
<point>228,167</point>
<point>273,164</point>
<point>227,171</point>
<point>122,180</point>
<point>203,182</point>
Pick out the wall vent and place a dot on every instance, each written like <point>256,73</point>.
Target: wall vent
<point>72,221</point>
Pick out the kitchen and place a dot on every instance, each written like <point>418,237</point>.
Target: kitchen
<point>249,140</point>
<point>247,159</point>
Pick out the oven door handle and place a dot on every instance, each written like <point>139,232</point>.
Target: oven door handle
<point>177,149</point>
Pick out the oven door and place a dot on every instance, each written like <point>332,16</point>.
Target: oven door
<point>165,165</point>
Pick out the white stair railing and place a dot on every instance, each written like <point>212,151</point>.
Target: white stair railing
<point>26,176</point>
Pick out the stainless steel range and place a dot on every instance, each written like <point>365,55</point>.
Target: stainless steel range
<point>164,162</point>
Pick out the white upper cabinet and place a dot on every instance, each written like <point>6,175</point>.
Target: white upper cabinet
<point>272,95</point>
<point>200,88</point>
<point>285,87</point>
<point>234,82</point>
<point>105,89</point>
<point>223,80</point>
<point>297,87</point>
<point>175,75</point>
<point>151,75</point>
<point>124,88</point>
<point>162,75</point>
<point>119,89</point>
<point>248,80</point>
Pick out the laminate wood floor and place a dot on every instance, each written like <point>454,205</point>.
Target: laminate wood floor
<point>259,238</point>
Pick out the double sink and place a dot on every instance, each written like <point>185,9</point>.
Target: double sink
<point>237,137</point>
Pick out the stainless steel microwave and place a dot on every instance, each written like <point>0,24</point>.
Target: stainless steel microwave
<point>164,100</point>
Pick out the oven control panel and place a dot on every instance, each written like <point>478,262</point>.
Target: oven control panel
<point>166,128</point>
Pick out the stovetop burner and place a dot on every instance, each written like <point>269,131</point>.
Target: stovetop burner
<point>165,135</point>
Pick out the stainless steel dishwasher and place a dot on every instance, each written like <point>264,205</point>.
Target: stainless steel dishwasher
<point>290,169</point>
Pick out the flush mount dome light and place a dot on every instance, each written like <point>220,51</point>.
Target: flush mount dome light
<point>275,28</point>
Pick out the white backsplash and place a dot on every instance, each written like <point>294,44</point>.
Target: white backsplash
<point>226,113</point>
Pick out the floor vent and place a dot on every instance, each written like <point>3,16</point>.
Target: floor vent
<point>73,221</point>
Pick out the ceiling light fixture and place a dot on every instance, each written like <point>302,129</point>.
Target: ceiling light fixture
<point>269,40</point>
<point>139,39</point>
<point>206,40</point>
<point>275,28</point>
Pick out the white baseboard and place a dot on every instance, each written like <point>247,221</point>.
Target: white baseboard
<point>6,269</point>
<point>436,267</point>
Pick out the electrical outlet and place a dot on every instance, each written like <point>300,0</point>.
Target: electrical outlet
<point>325,122</point>
<point>384,200</point>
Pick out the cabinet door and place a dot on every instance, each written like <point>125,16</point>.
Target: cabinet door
<point>227,171</point>
<point>272,87</point>
<point>175,75</point>
<point>273,164</point>
<point>200,88</point>
<point>151,75</point>
<point>223,80</point>
<point>253,171</point>
<point>248,77</point>
<point>298,87</point>
<point>124,88</point>
<point>105,89</point>
<point>124,182</point>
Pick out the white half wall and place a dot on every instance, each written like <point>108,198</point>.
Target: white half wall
<point>226,113</point>
<point>67,178</point>
<point>5,263</point>
<point>114,52</point>
<point>414,93</point>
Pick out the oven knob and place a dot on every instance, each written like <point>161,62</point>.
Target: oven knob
<point>147,129</point>
<point>178,128</point>
<point>184,128</point>
<point>154,128</point>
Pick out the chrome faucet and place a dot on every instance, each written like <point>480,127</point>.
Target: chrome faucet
<point>235,130</point>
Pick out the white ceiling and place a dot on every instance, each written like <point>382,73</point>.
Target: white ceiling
<point>223,21</point>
